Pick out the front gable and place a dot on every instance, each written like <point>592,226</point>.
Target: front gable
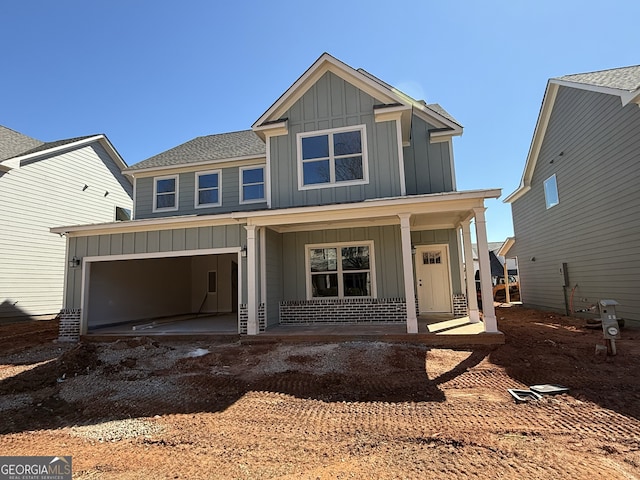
<point>332,98</point>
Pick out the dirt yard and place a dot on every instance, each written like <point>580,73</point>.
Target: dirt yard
<point>148,408</point>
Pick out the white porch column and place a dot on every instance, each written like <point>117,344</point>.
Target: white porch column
<point>252,282</point>
<point>407,266</point>
<point>488,312</point>
<point>472,299</point>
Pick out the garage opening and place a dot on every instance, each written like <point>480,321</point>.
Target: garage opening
<point>174,295</point>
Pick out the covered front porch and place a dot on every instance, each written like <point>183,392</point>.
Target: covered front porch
<point>404,232</point>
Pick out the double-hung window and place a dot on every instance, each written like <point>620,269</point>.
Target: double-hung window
<point>165,193</point>
<point>252,185</point>
<point>341,270</point>
<point>208,191</point>
<point>332,157</point>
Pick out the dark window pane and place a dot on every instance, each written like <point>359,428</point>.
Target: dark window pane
<point>349,169</point>
<point>355,258</point>
<point>255,175</point>
<point>315,172</point>
<point>253,192</point>
<point>166,200</point>
<point>315,147</point>
<point>357,284</point>
<point>123,214</point>
<point>347,143</point>
<point>325,285</point>
<point>323,259</point>
<point>166,185</point>
<point>207,196</point>
<point>208,181</point>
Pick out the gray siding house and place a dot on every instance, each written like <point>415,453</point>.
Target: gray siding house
<point>578,202</point>
<point>339,205</point>
<point>42,185</point>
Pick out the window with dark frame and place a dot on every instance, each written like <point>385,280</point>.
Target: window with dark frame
<point>212,286</point>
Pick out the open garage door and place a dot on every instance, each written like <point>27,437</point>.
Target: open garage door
<point>165,295</point>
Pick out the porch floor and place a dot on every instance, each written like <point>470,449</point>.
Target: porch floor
<point>438,330</point>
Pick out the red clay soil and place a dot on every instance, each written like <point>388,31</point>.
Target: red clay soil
<point>148,408</point>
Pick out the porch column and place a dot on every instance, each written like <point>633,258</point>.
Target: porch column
<point>488,312</point>
<point>407,266</point>
<point>252,281</point>
<point>472,299</point>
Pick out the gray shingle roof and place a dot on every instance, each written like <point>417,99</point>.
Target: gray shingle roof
<point>624,78</point>
<point>211,147</point>
<point>57,143</point>
<point>13,143</point>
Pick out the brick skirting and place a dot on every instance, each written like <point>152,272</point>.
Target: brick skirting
<point>243,314</point>
<point>460,305</point>
<point>69,325</point>
<point>343,310</point>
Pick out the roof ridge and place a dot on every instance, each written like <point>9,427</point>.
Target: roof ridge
<point>597,71</point>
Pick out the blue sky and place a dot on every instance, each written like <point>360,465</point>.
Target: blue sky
<point>154,74</point>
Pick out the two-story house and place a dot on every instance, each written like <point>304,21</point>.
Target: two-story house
<point>339,205</point>
<point>575,213</point>
<point>44,184</point>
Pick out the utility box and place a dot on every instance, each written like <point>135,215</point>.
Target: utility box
<point>609,319</point>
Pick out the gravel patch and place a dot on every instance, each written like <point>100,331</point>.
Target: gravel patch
<point>18,400</point>
<point>115,430</point>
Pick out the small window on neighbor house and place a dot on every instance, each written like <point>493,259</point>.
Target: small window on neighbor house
<point>252,184</point>
<point>213,282</point>
<point>551,191</point>
<point>122,214</point>
<point>165,193</point>
<point>208,189</point>
<point>332,157</point>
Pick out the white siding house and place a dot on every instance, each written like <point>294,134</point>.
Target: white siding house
<point>42,185</point>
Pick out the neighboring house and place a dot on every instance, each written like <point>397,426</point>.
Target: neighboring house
<point>78,180</point>
<point>338,206</point>
<point>578,202</point>
<point>496,260</point>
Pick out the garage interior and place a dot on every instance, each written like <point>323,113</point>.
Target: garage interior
<point>184,294</point>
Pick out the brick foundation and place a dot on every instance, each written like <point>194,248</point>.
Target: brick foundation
<point>69,330</point>
<point>243,315</point>
<point>343,310</point>
<point>460,305</point>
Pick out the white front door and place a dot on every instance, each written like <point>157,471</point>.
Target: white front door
<point>433,279</point>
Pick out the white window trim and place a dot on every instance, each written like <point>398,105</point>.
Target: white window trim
<point>365,157</point>
<point>155,193</point>
<point>264,182</point>
<point>547,203</point>
<point>196,195</point>
<point>339,245</point>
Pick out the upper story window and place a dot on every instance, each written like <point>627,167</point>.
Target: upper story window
<point>252,185</point>
<point>165,193</point>
<point>208,193</point>
<point>340,270</point>
<point>332,157</point>
<point>551,191</point>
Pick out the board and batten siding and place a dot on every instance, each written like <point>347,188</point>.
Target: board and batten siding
<point>387,251</point>
<point>427,165</point>
<point>592,145</point>
<point>187,192</point>
<point>274,264</point>
<point>159,241</point>
<point>44,193</point>
<point>333,103</point>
